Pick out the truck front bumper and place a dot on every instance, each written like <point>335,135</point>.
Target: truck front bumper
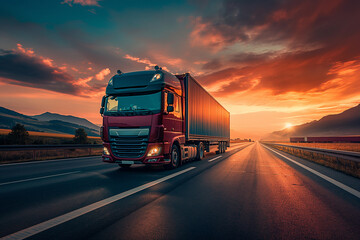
<point>153,160</point>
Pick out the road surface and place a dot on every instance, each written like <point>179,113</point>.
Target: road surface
<point>249,192</point>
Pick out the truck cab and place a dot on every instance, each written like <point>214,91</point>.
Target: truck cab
<point>143,119</point>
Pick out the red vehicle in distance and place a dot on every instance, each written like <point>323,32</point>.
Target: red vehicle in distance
<point>155,117</point>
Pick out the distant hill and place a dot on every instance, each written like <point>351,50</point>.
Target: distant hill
<point>345,123</point>
<point>9,118</point>
<point>66,118</point>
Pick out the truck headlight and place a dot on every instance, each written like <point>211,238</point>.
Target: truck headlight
<point>154,151</point>
<point>106,151</point>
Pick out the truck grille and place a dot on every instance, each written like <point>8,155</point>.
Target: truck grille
<point>128,143</point>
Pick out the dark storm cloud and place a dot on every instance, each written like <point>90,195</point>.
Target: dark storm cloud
<point>250,58</point>
<point>212,65</point>
<point>315,34</point>
<point>30,71</point>
<point>286,72</point>
<point>298,21</point>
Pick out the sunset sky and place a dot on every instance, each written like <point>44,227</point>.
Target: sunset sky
<point>272,64</point>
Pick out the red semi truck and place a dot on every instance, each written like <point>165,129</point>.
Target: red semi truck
<point>155,117</point>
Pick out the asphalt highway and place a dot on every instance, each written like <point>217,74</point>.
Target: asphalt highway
<point>249,192</point>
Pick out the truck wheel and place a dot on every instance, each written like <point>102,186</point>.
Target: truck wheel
<point>175,158</point>
<point>200,151</point>
<point>222,147</point>
<point>125,165</point>
<point>219,148</point>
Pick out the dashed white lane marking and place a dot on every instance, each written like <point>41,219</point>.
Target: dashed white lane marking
<point>213,159</point>
<point>37,178</point>
<point>28,232</point>
<point>333,181</point>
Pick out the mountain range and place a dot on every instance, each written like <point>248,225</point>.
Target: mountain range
<point>47,122</point>
<point>345,123</point>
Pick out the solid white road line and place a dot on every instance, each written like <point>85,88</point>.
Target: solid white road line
<point>213,159</point>
<point>37,178</point>
<point>336,183</point>
<point>28,232</point>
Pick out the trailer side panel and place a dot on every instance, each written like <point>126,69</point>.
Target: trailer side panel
<point>206,119</point>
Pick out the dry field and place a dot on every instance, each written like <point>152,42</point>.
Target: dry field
<point>48,138</point>
<point>44,134</point>
<point>337,146</point>
<point>40,138</point>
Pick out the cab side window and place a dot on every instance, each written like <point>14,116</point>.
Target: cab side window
<point>176,105</point>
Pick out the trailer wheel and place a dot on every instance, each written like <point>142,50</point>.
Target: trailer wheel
<point>175,158</point>
<point>219,148</point>
<point>200,151</point>
<point>126,166</point>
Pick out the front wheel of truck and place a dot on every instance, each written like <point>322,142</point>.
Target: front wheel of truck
<point>175,158</point>
<point>126,166</point>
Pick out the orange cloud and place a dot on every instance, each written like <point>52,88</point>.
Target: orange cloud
<point>27,51</point>
<point>101,75</point>
<point>139,60</point>
<point>203,35</point>
<point>83,81</point>
<point>48,61</point>
<point>22,67</point>
<point>148,62</point>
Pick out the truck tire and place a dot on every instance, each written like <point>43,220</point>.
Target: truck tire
<point>219,148</point>
<point>200,151</point>
<point>126,166</point>
<point>175,158</point>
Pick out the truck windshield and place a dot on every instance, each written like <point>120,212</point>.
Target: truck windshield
<point>133,105</point>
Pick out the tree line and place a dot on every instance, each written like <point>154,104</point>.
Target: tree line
<point>20,136</point>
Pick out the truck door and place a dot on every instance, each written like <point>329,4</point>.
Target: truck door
<point>172,121</point>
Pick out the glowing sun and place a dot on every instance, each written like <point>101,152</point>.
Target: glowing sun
<point>288,125</point>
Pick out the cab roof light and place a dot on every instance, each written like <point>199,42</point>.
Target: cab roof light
<point>157,76</point>
<point>157,68</point>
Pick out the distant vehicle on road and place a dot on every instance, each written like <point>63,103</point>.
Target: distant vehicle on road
<point>155,117</point>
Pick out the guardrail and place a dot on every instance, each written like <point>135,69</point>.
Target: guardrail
<point>355,156</point>
<point>344,161</point>
<point>34,152</point>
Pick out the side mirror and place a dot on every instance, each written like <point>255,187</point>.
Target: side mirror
<point>102,111</point>
<point>103,101</point>
<point>170,98</point>
<point>170,109</point>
